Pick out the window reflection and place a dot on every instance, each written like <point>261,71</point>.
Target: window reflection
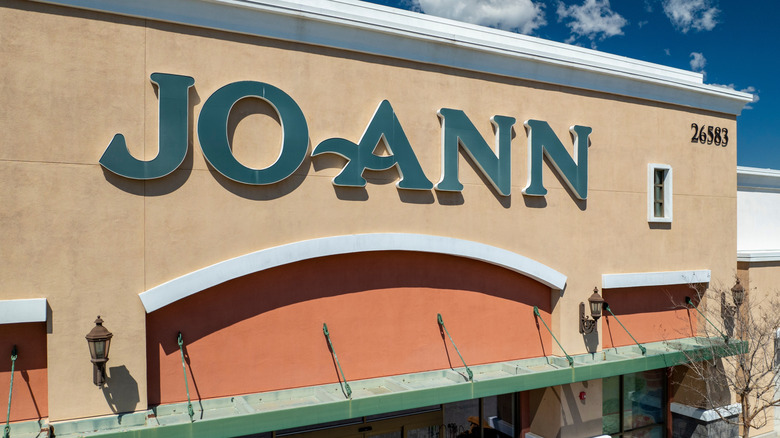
<point>495,415</point>
<point>633,404</point>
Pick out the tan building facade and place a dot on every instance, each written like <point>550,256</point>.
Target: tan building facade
<point>449,262</point>
<point>758,248</point>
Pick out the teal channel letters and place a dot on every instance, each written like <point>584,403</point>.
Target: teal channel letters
<point>173,137</point>
<point>213,135</point>
<point>459,132</point>
<point>383,125</point>
<point>543,141</point>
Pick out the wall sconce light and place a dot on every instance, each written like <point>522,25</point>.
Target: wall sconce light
<point>738,295</point>
<point>99,341</point>
<point>595,302</point>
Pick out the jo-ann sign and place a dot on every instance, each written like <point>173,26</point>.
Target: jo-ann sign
<point>457,133</point>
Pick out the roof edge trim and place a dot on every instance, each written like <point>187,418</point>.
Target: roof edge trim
<point>757,179</point>
<point>758,256</point>
<point>385,31</point>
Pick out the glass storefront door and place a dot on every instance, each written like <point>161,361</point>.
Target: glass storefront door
<point>634,405</point>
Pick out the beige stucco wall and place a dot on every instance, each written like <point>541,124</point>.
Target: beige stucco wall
<point>558,411</point>
<point>68,235</point>
<point>760,278</point>
<point>761,281</point>
<point>90,241</point>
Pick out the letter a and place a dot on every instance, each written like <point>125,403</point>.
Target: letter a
<point>384,125</point>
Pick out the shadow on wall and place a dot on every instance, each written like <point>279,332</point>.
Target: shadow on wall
<point>169,184</point>
<point>30,394</point>
<point>121,390</point>
<point>591,341</point>
<point>263,331</point>
<point>651,314</point>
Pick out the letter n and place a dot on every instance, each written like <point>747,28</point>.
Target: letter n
<point>459,132</point>
<point>542,141</point>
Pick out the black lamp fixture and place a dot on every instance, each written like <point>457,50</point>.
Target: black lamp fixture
<point>596,303</point>
<point>738,295</point>
<point>99,341</point>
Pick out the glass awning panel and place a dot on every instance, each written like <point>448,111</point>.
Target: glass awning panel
<point>261,412</point>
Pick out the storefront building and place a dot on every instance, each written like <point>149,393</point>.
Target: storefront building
<point>335,219</point>
<point>758,241</point>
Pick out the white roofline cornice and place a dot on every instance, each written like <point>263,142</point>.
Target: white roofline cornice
<point>755,178</point>
<point>758,256</point>
<point>758,171</point>
<point>380,30</point>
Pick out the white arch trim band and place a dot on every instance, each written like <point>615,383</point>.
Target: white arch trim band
<point>213,275</point>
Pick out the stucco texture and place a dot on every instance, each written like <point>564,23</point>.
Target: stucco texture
<point>90,241</point>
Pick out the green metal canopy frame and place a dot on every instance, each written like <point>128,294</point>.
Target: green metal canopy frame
<point>262,412</point>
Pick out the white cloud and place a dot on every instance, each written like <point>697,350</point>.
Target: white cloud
<point>751,89</point>
<point>412,5</point>
<point>594,20</point>
<point>698,61</point>
<point>523,16</point>
<point>691,14</point>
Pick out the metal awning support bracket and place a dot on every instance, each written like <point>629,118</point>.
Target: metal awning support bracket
<point>347,389</point>
<point>641,348</point>
<point>442,326</point>
<point>180,341</point>
<point>689,302</point>
<point>7,430</point>
<point>262,412</point>
<point>539,317</point>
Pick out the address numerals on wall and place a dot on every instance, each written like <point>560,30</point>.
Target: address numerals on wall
<point>710,135</point>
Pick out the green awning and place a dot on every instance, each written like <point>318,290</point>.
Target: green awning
<point>261,412</point>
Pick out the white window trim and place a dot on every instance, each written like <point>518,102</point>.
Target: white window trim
<point>668,189</point>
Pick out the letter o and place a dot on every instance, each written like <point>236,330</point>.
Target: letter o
<point>213,136</point>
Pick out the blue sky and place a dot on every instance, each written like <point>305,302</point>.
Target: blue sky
<point>726,40</point>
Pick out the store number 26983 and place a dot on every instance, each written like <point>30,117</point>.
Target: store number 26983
<point>709,135</point>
